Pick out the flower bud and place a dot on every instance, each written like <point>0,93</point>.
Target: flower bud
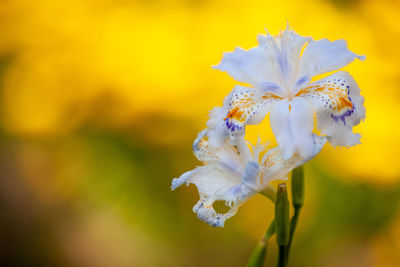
<point>298,187</point>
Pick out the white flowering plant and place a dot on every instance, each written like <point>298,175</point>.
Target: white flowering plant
<point>279,74</point>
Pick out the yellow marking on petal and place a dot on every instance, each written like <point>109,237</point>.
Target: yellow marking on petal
<point>343,102</point>
<point>236,114</point>
<point>337,94</point>
<point>246,105</point>
<point>271,96</point>
<point>268,163</point>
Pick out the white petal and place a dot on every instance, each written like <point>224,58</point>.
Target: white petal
<point>207,214</point>
<point>324,56</point>
<point>251,66</point>
<point>200,148</point>
<point>216,182</point>
<point>280,124</point>
<point>210,180</point>
<point>229,156</point>
<point>291,45</point>
<point>302,124</point>
<point>217,131</point>
<point>183,179</point>
<point>274,167</point>
<point>213,178</point>
<point>249,186</point>
<point>290,48</point>
<point>339,107</point>
<point>270,87</point>
<point>227,175</point>
<point>233,180</point>
<point>231,174</point>
<point>292,124</point>
<point>275,60</point>
<point>245,106</point>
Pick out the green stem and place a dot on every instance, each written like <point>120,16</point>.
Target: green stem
<point>297,202</point>
<point>282,257</point>
<point>257,258</point>
<point>282,223</point>
<point>270,231</point>
<point>293,224</point>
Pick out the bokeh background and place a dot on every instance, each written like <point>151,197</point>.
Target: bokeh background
<point>100,101</point>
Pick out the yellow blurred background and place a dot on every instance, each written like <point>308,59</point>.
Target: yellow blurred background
<point>101,100</point>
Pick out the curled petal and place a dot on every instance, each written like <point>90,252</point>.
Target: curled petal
<point>215,182</point>
<point>209,179</point>
<point>217,132</point>
<point>200,146</point>
<point>205,212</point>
<point>247,106</point>
<point>338,105</point>
<point>234,180</point>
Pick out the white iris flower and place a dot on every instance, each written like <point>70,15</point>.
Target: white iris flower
<point>233,173</point>
<point>280,70</point>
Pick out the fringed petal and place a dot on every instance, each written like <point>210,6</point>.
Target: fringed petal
<point>247,106</point>
<point>338,105</point>
<point>218,182</point>
<point>232,174</point>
